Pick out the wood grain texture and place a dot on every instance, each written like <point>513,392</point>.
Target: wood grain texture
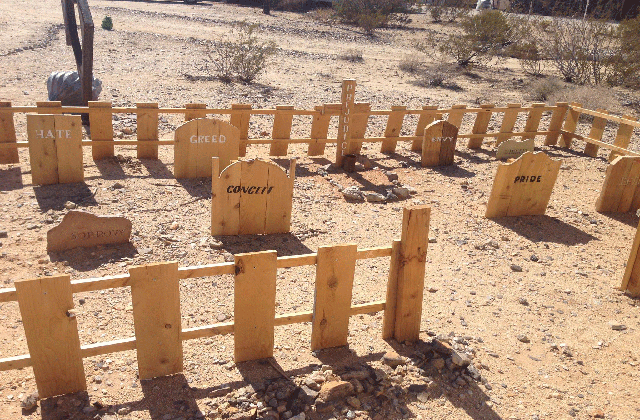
<point>281,131</point>
<point>456,115</point>
<point>280,199</point>
<point>502,190</point>
<point>147,129</point>
<point>240,120</point>
<point>480,126</point>
<point>155,296</point>
<point>439,144</point>
<point>411,270</point>
<point>557,117</point>
<point>389,318</point>
<point>7,135</point>
<point>631,278</point>
<point>424,120</point>
<point>335,271</point>
<point>253,207</point>
<point>619,189</point>
<point>508,122</point>
<point>254,305</point>
<point>347,100</point>
<point>225,206</point>
<point>184,152</point>
<point>358,126</point>
<point>49,107</point>
<point>597,130</point>
<point>206,148</point>
<point>533,120</point>
<point>52,335</point>
<point>623,136</point>
<point>69,148</point>
<point>319,130</point>
<point>100,120</point>
<point>42,149</point>
<point>393,128</point>
<point>570,124</point>
<point>195,111</point>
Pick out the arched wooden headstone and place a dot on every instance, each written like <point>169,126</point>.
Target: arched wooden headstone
<point>439,143</point>
<point>620,191</point>
<point>251,197</point>
<point>55,148</point>
<point>631,279</point>
<point>513,149</point>
<point>523,187</point>
<point>197,141</point>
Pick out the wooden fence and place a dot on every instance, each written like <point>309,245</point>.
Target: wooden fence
<point>352,126</point>
<point>55,352</point>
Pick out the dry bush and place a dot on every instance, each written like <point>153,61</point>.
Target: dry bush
<point>626,63</point>
<point>447,10</point>
<point>372,14</point>
<point>410,64</point>
<point>541,90</point>
<point>240,55</point>
<point>353,55</point>
<point>591,97</point>
<point>293,5</point>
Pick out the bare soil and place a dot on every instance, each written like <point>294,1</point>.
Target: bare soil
<point>572,259</point>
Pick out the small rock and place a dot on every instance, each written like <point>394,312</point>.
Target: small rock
<point>4,234</point>
<point>438,363</point>
<point>354,402</point>
<point>391,176</point>
<point>335,390</point>
<point>221,317</point>
<point>516,268</point>
<point>597,414</point>
<point>30,401</point>
<point>127,131</point>
<point>117,186</point>
<point>373,197</point>
<point>523,301</point>
<point>97,379</point>
<point>523,338</point>
<point>393,359</point>
<point>423,397</point>
<point>401,192</point>
<point>145,251</point>
<point>353,193</point>
<point>460,359</point>
<point>69,205</point>
<point>616,326</point>
<point>300,416</point>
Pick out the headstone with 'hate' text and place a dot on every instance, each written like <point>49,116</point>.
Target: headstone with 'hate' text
<point>82,229</point>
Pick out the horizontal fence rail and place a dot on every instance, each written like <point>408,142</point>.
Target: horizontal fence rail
<point>55,351</point>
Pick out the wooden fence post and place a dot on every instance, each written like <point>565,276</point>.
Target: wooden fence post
<point>348,100</point>
<point>623,136</point>
<point>194,111</point>
<point>358,126</point>
<point>533,121</point>
<point>631,279</point>
<point>254,305</point>
<point>597,130</point>
<point>281,131</point>
<point>100,121</point>
<point>52,334</point>
<point>403,313</point>
<point>320,129</point>
<point>480,126</point>
<point>43,156</point>
<point>7,135</point>
<point>147,129</point>
<point>424,120</point>
<point>508,122</point>
<point>241,121</point>
<point>569,126</point>
<point>155,296</point>
<point>456,115</point>
<point>335,270</point>
<point>556,123</point>
<point>393,129</point>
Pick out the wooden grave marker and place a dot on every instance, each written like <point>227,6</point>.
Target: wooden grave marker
<point>513,149</point>
<point>439,143</point>
<point>198,140</point>
<point>523,187</point>
<point>631,279</point>
<point>55,148</point>
<point>251,197</point>
<point>620,192</point>
<point>7,135</point>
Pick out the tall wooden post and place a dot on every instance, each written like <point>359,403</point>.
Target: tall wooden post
<point>405,288</point>
<point>348,98</point>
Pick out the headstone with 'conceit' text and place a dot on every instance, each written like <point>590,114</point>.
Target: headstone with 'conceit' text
<point>82,229</point>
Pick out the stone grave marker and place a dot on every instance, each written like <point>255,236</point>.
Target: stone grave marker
<point>513,149</point>
<point>439,143</point>
<point>523,187</point>
<point>82,229</point>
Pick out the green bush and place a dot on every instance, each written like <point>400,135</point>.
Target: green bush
<point>241,55</point>
<point>107,23</point>
<point>626,63</point>
<point>372,14</point>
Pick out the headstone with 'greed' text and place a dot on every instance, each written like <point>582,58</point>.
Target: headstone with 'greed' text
<point>82,229</point>
<point>439,143</point>
<point>513,149</point>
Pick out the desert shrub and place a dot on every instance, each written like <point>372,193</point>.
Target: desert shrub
<point>292,5</point>
<point>353,55</point>
<point>372,14</point>
<point>107,23</point>
<point>484,35</point>
<point>591,97</point>
<point>626,63</point>
<point>447,10</point>
<point>541,90</point>
<point>410,64</point>
<point>241,55</point>
<point>529,56</point>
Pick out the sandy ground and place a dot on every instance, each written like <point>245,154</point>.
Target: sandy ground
<point>575,365</point>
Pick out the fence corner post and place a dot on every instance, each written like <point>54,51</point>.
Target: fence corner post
<point>348,101</point>
<point>403,311</point>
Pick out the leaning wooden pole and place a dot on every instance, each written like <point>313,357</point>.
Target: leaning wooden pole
<point>403,312</point>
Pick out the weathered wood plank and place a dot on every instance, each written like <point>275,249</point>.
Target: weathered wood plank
<point>69,148</point>
<point>597,130</point>
<point>393,128</point>
<point>100,121</point>
<point>480,126</point>
<point>281,131</point>
<point>147,129</point>
<point>42,149</point>
<point>557,117</point>
<point>7,135</point>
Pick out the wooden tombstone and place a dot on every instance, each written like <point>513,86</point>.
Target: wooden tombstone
<point>620,192</point>
<point>523,187</point>
<point>251,197</point>
<point>513,149</point>
<point>631,279</point>
<point>55,148</point>
<point>198,140</point>
<point>439,143</point>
